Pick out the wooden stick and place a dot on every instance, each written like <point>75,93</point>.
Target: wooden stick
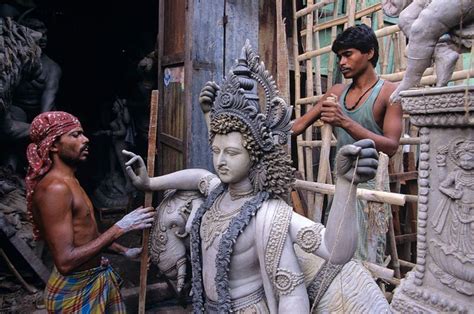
<point>313,53</point>
<point>313,7</point>
<point>309,92</point>
<point>326,136</point>
<point>344,19</point>
<point>308,100</point>
<point>330,78</point>
<point>381,178</point>
<point>148,198</point>
<point>365,194</point>
<point>314,143</point>
<point>297,86</point>
<point>398,76</point>
<point>10,265</point>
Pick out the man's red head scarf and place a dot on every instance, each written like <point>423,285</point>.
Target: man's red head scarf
<point>45,129</point>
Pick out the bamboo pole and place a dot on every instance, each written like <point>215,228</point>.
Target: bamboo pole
<point>148,198</point>
<point>300,151</point>
<point>314,143</point>
<point>398,76</point>
<point>344,19</point>
<point>378,33</point>
<point>396,53</point>
<point>352,4</point>
<point>364,194</point>
<point>313,7</point>
<point>309,91</point>
<point>330,78</point>
<point>308,100</point>
<point>387,54</point>
<point>380,25</point>
<point>457,75</point>
<point>324,167</point>
<point>403,47</point>
<point>318,143</point>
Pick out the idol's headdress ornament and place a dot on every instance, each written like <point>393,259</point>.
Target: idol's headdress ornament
<point>238,97</point>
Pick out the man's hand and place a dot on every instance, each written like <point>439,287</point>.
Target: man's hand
<point>140,218</point>
<point>366,165</point>
<point>208,95</point>
<point>331,112</point>
<point>139,179</point>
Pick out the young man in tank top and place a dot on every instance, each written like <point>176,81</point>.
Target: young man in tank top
<point>363,109</point>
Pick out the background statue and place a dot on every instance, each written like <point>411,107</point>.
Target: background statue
<point>38,95</point>
<point>20,60</point>
<point>114,189</point>
<point>436,29</point>
<point>242,237</point>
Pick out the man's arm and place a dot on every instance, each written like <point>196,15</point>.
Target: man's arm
<point>332,113</point>
<point>303,122</point>
<point>54,205</point>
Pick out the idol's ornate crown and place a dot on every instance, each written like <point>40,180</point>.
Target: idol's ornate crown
<point>238,97</point>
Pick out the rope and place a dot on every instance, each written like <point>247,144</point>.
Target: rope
<point>338,238</point>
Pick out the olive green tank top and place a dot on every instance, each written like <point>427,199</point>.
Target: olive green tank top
<point>363,115</point>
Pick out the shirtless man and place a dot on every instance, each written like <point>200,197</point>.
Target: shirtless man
<point>59,206</point>
<point>363,110</point>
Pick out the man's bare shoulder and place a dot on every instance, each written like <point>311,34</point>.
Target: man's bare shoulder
<point>52,186</point>
<point>388,88</point>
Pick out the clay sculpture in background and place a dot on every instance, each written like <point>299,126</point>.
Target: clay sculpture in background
<point>437,30</point>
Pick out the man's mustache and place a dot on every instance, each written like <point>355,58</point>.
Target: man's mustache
<point>83,148</point>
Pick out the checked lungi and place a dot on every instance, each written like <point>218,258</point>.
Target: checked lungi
<point>95,290</point>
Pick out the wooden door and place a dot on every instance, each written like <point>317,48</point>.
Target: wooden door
<point>172,125</point>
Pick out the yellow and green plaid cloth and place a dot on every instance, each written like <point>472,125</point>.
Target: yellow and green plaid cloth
<point>96,290</point>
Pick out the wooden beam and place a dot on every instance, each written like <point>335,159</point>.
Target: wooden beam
<point>344,19</point>
<point>365,194</point>
<point>313,7</point>
<point>314,53</point>
<point>404,238</point>
<point>148,198</point>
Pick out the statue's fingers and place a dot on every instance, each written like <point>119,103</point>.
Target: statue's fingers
<point>368,162</point>
<point>131,174</point>
<point>369,153</point>
<point>365,143</point>
<point>349,150</point>
<point>214,85</point>
<point>132,160</point>
<point>127,153</point>
<point>367,172</point>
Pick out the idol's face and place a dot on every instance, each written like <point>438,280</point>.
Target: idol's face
<point>231,160</point>
<point>466,160</point>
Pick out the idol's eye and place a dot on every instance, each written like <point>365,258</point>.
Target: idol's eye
<point>215,150</point>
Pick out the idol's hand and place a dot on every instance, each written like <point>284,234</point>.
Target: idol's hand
<point>139,176</point>
<point>208,95</point>
<point>366,165</point>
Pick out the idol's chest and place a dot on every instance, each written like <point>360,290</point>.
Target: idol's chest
<point>218,226</point>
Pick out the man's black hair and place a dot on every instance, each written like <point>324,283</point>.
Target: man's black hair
<point>360,37</point>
